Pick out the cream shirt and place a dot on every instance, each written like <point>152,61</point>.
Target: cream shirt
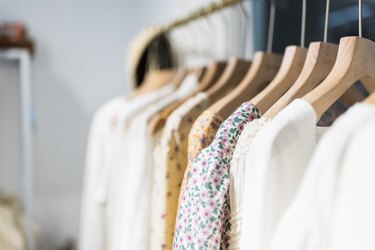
<point>307,222</point>
<point>91,236</point>
<point>103,143</point>
<point>237,174</point>
<point>353,225</point>
<point>130,180</point>
<point>275,165</point>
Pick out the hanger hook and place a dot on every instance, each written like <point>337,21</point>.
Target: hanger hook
<point>326,22</point>
<point>303,23</point>
<point>271,26</point>
<point>360,18</point>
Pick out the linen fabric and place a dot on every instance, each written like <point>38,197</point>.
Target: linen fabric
<point>307,222</point>
<point>237,178</point>
<point>132,175</point>
<point>106,136</point>
<point>353,222</point>
<point>274,166</point>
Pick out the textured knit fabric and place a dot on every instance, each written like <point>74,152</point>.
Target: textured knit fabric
<point>238,177</point>
<point>170,157</point>
<point>307,222</point>
<point>204,212</point>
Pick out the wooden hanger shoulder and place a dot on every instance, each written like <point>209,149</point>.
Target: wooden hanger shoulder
<point>355,61</point>
<point>213,72</point>
<point>319,61</point>
<point>199,72</point>
<point>154,80</point>
<point>370,99</point>
<point>233,73</point>
<point>263,69</point>
<point>290,69</point>
<point>179,76</point>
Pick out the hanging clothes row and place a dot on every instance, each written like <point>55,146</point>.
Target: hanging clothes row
<point>269,154</point>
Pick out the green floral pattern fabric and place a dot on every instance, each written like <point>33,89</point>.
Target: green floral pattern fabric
<point>204,212</point>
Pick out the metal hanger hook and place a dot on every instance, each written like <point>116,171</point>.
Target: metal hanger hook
<point>271,26</point>
<point>360,18</point>
<point>303,23</point>
<point>326,22</point>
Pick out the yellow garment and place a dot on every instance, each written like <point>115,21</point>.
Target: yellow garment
<point>170,158</point>
<point>201,136</point>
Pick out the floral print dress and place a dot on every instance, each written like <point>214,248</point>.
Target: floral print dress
<point>204,212</point>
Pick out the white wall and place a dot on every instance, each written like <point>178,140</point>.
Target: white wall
<point>79,64</point>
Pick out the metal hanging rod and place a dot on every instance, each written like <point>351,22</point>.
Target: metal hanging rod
<point>205,11</point>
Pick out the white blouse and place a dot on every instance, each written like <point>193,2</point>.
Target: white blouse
<point>276,163</point>
<point>91,236</point>
<point>130,181</point>
<point>307,222</point>
<point>103,141</point>
<point>237,174</point>
<point>353,225</point>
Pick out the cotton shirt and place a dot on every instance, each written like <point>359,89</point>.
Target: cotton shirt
<point>204,212</point>
<point>353,224</point>
<point>91,223</point>
<point>130,182</point>
<point>108,129</point>
<point>237,178</point>
<point>306,224</point>
<point>170,157</point>
<point>275,165</point>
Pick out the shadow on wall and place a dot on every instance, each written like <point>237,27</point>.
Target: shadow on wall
<point>60,140</point>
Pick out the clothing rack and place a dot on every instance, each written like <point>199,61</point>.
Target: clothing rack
<point>203,12</point>
<point>23,56</point>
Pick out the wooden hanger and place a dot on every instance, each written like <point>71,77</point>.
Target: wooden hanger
<point>179,76</point>
<point>199,72</point>
<point>290,69</point>
<point>320,59</point>
<point>155,79</point>
<point>370,99</point>
<point>213,72</point>
<point>355,61</point>
<point>263,69</point>
<point>233,74</point>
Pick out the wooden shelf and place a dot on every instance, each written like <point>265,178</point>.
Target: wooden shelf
<point>25,44</point>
